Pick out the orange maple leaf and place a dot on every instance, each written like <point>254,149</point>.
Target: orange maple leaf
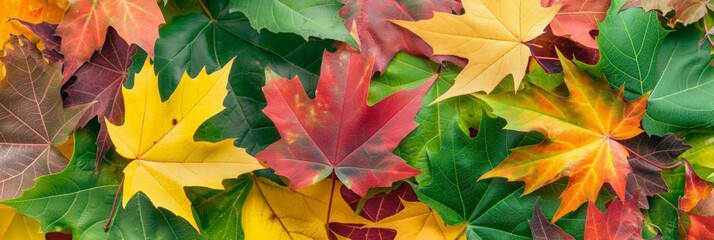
<point>582,131</point>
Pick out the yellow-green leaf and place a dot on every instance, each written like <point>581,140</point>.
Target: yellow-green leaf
<point>158,137</point>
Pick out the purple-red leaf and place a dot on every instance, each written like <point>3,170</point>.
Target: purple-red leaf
<point>382,205</point>
<point>382,39</point>
<point>32,119</point>
<point>542,229</point>
<point>337,132</point>
<point>645,177</point>
<point>543,49</point>
<point>100,80</point>
<point>623,220</point>
<point>46,33</point>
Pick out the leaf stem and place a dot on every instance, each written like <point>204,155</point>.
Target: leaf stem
<point>114,206</point>
<point>670,167</point>
<point>709,37</point>
<point>205,9</point>
<point>329,206</point>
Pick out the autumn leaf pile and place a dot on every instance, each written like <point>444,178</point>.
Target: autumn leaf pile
<point>356,119</point>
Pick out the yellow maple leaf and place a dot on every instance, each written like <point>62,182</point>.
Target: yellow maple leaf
<point>267,214</point>
<point>158,137</point>
<point>14,225</point>
<point>490,34</point>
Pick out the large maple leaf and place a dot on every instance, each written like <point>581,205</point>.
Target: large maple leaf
<point>582,131</point>
<point>84,27</point>
<point>32,120</point>
<point>158,137</point>
<point>337,131</point>
<point>382,39</point>
<point>576,19</point>
<point>491,34</point>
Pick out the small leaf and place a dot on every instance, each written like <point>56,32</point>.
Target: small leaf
<point>542,229</point>
<point>696,226</point>
<point>685,11</point>
<point>698,194</point>
<point>576,19</point>
<point>645,177</point>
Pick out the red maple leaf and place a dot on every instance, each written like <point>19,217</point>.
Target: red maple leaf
<point>337,132</point>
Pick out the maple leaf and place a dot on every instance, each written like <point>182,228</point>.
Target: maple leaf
<point>646,178</point>
<point>337,131</point>
<point>685,11</point>
<point>266,215</point>
<point>582,131</point>
<point>14,225</point>
<point>158,137</point>
<point>489,36</point>
<point>100,80</point>
<point>84,27</point>
<point>576,19</point>
<point>33,121</point>
<point>380,38</point>
<point>698,194</point>
<point>622,220</point>
<point>542,229</point>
